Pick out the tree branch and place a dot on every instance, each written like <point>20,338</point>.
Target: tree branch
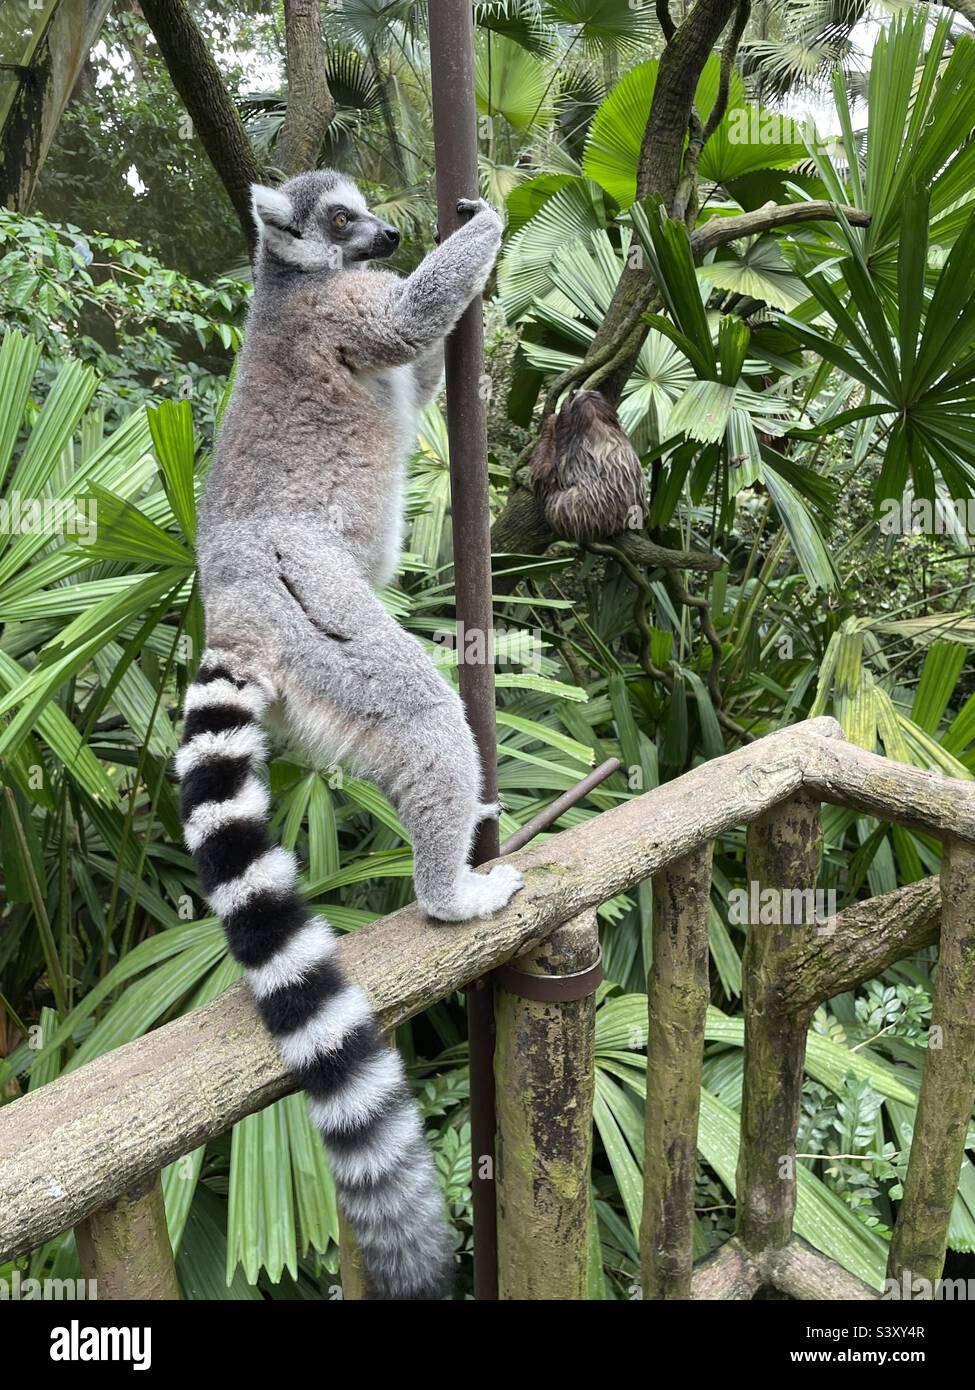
<point>681,65</point>
<point>686,198</point>
<point>665,20</point>
<point>649,555</point>
<point>867,938</point>
<point>728,54</point>
<point>214,114</point>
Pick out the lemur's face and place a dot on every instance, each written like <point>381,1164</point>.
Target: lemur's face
<point>320,221</point>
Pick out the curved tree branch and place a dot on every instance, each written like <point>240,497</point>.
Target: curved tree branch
<point>719,230</point>
<point>649,555</point>
<point>681,65</point>
<point>64,35</point>
<point>686,198</point>
<point>665,20</point>
<point>728,54</point>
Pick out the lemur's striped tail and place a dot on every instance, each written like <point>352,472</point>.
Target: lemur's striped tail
<point>324,1026</point>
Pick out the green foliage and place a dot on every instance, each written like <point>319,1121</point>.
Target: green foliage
<point>785,387</point>
<point>126,161</point>
<point>926,382</point>
<point>148,331</point>
<point>740,145</point>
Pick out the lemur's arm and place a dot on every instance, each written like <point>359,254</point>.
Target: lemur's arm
<point>413,315</point>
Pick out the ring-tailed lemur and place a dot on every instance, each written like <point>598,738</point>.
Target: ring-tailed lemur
<point>301,523</point>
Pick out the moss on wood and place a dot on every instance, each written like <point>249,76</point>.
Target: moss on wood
<point>545,1075</point>
<point>125,1247</point>
<point>944,1109</point>
<point>678,996</point>
<point>784,849</point>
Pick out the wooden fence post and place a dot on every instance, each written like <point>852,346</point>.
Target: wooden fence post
<point>678,996</point>
<point>917,1251</point>
<point>545,1068</point>
<point>351,1268</point>
<point>784,850</point>
<point>125,1247</point>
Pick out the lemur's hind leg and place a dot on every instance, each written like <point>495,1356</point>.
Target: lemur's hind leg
<point>357,686</point>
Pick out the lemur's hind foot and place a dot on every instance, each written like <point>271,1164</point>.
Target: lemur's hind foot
<point>476,895</point>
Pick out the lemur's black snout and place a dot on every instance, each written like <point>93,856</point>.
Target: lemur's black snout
<point>385,241</point>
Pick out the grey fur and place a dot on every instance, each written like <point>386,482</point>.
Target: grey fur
<point>301,523</point>
<point>303,515</point>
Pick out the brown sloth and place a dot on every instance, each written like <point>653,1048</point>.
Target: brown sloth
<point>586,473</point>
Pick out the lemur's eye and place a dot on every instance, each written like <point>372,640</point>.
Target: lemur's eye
<point>340,220</point>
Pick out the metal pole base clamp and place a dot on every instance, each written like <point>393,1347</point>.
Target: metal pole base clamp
<point>550,989</point>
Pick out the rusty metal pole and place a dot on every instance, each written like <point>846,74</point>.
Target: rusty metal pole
<point>455,144</point>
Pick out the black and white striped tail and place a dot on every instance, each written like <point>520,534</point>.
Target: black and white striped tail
<point>324,1026</point>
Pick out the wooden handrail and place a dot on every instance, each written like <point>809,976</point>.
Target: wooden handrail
<point>70,1147</point>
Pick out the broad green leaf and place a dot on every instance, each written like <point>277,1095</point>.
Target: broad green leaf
<point>126,533</point>
<point>171,424</point>
<point>513,83</point>
<point>260,1210</point>
<point>543,734</point>
<point>61,736</point>
<point>19,356</point>
<point>524,275</point>
<point>939,677</point>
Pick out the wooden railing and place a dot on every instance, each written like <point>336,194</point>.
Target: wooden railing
<point>86,1150</point>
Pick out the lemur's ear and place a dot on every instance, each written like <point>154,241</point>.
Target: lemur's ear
<point>270,206</point>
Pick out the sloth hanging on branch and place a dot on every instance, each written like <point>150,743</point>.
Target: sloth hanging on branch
<point>585,472</point>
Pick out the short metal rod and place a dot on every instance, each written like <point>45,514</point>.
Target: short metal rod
<point>559,806</point>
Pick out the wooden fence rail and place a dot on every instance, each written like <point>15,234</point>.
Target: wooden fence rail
<point>76,1146</point>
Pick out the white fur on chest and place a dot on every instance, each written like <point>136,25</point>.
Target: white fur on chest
<point>394,391</point>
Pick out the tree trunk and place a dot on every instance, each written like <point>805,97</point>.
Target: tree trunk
<point>310,104</point>
<point>212,110</point>
<point>658,172</point>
